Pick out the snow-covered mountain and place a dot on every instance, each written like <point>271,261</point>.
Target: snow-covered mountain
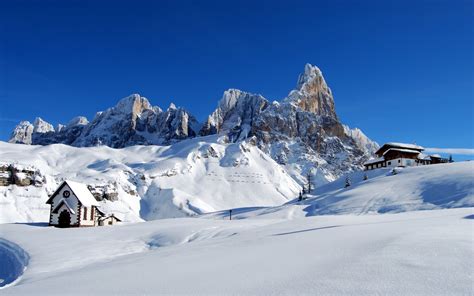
<point>133,121</point>
<point>302,132</point>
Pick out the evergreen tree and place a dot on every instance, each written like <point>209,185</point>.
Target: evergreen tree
<point>348,182</point>
<point>450,160</point>
<point>308,177</point>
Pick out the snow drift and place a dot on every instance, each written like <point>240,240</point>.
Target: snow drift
<point>13,262</point>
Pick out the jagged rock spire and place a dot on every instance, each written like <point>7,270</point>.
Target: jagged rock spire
<point>312,94</point>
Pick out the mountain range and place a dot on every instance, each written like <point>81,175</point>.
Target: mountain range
<point>302,132</point>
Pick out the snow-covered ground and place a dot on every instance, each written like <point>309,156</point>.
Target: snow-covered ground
<point>416,188</point>
<point>412,253</point>
<point>408,233</point>
<point>187,178</point>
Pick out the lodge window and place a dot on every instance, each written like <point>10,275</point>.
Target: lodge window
<point>389,163</point>
<point>399,161</point>
<point>85,213</point>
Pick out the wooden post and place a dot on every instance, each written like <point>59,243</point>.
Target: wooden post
<point>230,214</point>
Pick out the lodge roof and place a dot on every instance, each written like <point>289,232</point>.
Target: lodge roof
<point>399,145</point>
<point>402,150</point>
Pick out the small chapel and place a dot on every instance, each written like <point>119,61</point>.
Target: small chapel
<point>73,205</point>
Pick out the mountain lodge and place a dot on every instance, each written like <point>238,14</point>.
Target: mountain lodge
<point>401,155</point>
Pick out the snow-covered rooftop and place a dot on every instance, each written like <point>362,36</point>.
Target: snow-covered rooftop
<point>83,193</point>
<point>402,150</point>
<point>404,145</point>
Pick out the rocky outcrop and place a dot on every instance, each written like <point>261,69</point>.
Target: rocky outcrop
<point>312,93</point>
<point>104,192</point>
<point>15,174</point>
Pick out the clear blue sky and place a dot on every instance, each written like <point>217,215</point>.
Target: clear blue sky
<point>399,70</point>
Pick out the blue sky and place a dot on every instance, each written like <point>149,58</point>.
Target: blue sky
<point>399,70</point>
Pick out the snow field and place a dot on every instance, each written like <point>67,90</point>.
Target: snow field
<point>421,253</point>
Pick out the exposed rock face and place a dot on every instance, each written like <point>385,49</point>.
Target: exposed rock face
<point>312,93</point>
<point>133,121</point>
<point>235,114</point>
<point>15,174</point>
<point>104,191</point>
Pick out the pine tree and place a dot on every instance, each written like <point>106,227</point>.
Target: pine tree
<point>348,182</point>
<point>308,177</point>
<point>450,160</point>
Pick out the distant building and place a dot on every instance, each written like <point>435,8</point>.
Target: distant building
<point>402,155</point>
<point>109,220</point>
<point>73,205</point>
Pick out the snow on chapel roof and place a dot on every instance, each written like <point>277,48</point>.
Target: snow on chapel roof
<point>80,191</point>
<point>83,193</point>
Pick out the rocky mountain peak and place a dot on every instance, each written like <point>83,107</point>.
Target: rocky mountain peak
<point>172,106</point>
<point>41,126</point>
<point>22,133</point>
<point>78,120</point>
<point>312,94</point>
<point>310,73</point>
<point>134,104</point>
<point>235,114</point>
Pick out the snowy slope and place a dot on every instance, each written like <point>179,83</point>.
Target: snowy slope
<point>417,188</point>
<point>188,178</point>
<point>414,253</point>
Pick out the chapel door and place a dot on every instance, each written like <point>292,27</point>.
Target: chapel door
<point>64,219</point>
